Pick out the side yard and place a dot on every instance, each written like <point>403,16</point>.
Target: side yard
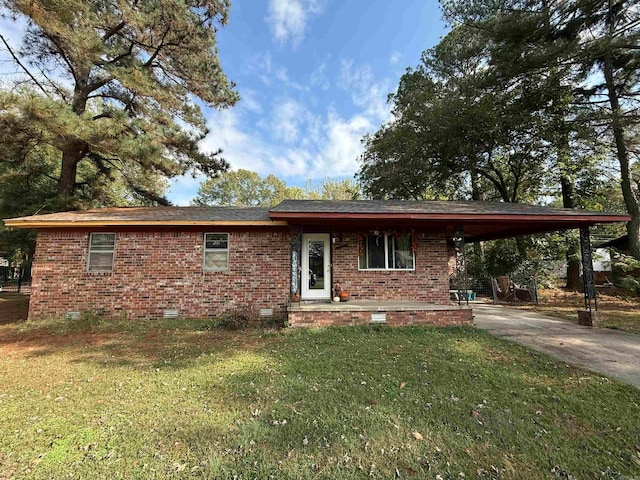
<point>618,312</point>
<point>181,399</point>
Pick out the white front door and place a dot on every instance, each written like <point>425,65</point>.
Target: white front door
<point>316,269</point>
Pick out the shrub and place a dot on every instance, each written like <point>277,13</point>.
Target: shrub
<point>239,318</point>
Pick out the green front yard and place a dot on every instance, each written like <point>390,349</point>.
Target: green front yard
<point>175,400</point>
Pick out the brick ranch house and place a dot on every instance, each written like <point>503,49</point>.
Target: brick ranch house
<point>394,258</point>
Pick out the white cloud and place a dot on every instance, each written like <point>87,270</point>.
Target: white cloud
<point>271,74</point>
<point>249,101</point>
<point>365,90</point>
<point>288,135</point>
<point>395,58</point>
<point>288,18</point>
<point>288,117</point>
<point>318,79</point>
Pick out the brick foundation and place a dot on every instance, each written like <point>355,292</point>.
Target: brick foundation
<point>442,317</point>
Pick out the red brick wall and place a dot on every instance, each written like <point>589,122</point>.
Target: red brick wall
<point>154,271</point>
<point>439,318</point>
<point>429,282</point>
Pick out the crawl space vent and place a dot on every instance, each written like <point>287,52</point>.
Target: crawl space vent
<point>266,312</point>
<point>378,318</point>
<point>72,315</point>
<point>170,314</point>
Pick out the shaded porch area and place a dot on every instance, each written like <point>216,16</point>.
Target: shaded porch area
<point>383,312</point>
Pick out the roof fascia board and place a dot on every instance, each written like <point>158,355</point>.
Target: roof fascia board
<point>123,223</point>
<point>477,217</point>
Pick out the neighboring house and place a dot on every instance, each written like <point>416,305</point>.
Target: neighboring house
<point>621,245</point>
<point>393,257</point>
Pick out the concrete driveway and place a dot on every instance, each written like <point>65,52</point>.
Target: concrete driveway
<point>605,351</point>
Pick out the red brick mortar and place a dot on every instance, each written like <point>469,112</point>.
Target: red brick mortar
<point>162,270</point>
<point>441,318</point>
<point>428,282</point>
<point>156,271</point>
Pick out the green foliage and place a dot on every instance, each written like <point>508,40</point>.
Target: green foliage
<point>579,62</point>
<point>454,134</point>
<point>629,266</point>
<point>247,188</point>
<point>502,257</point>
<point>112,91</point>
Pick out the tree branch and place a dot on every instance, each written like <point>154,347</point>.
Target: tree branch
<point>26,70</point>
<point>110,33</point>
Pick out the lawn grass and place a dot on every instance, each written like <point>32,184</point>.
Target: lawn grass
<point>618,312</point>
<point>171,399</point>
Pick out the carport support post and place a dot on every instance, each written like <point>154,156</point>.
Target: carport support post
<point>461,268</point>
<point>296,252</point>
<point>589,316</point>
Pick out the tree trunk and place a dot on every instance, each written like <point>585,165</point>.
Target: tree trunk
<point>568,201</point>
<point>75,149</point>
<point>476,195</point>
<point>71,156</point>
<point>630,200</point>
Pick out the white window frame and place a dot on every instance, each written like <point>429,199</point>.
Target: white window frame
<point>386,256</point>
<point>113,252</point>
<point>205,250</point>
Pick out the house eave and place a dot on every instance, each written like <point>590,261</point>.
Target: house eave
<point>448,218</point>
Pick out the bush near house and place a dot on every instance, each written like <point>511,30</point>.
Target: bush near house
<point>177,399</point>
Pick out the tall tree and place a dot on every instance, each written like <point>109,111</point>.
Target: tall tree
<point>241,188</point>
<point>115,84</point>
<point>587,49</point>
<point>248,188</point>
<point>452,133</point>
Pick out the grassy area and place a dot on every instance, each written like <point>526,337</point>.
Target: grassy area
<point>176,400</point>
<point>618,312</point>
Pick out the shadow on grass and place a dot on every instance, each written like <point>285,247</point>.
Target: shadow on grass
<point>139,344</point>
<point>14,308</point>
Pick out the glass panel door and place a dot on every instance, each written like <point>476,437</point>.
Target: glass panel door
<point>316,281</point>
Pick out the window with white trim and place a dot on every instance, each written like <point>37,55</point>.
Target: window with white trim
<point>386,252</point>
<point>101,252</point>
<point>216,252</point>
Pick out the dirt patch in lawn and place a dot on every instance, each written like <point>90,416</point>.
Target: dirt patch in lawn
<point>14,307</point>
<point>142,344</point>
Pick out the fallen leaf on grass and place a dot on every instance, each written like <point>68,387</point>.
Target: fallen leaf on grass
<point>418,436</point>
<point>403,384</point>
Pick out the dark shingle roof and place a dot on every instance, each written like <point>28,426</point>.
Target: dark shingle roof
<point>113,216</point>
<point>621,243</point>
<point>421,207</point>
<point>313,211</point>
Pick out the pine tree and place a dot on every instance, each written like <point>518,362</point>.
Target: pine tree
<point>116,87</point>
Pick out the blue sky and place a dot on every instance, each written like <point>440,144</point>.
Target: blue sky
<point>313,77</point>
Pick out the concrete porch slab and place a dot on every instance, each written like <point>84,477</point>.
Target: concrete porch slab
<point>371,306</point>
<point>389,312</point>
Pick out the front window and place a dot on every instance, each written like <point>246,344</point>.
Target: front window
<point>101,250</point>
<point>386,252</point>
<point>216,251</point>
